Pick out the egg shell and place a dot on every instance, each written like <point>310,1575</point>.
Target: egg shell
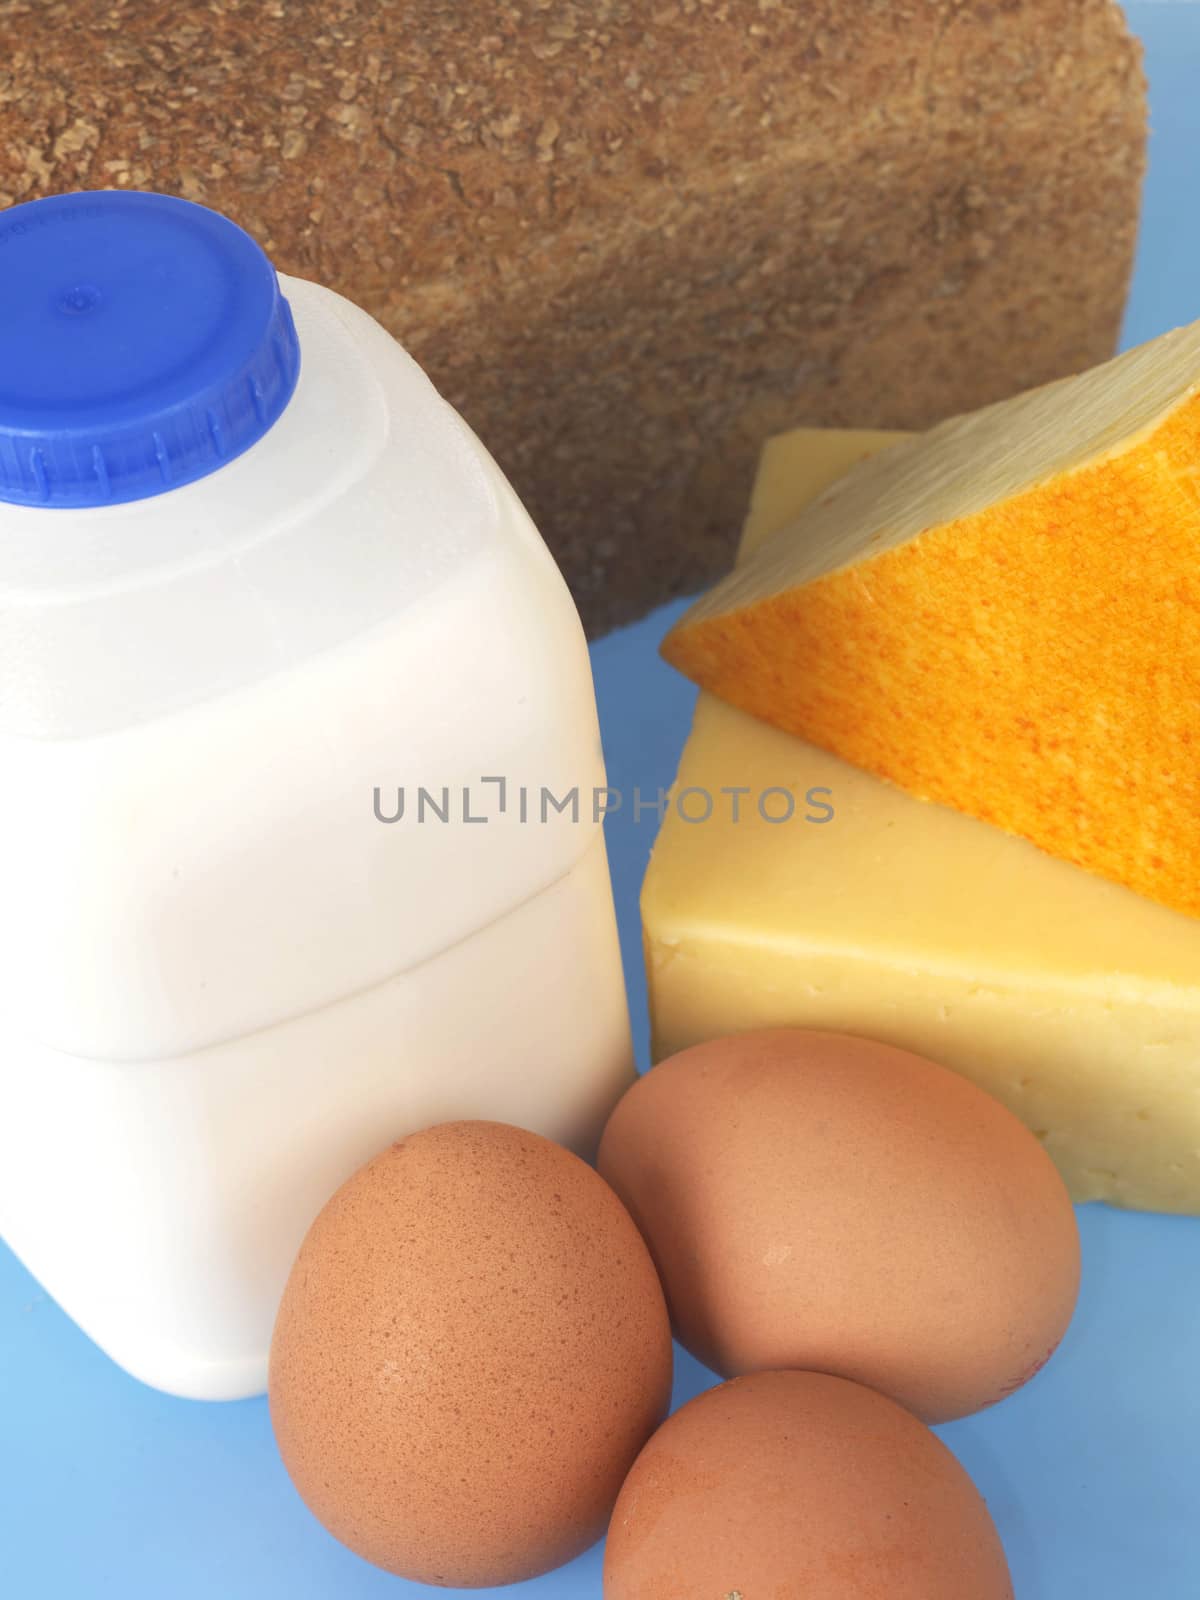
<point>800,1486</point>
<point>819,1201</point>
<point>471,1349</point>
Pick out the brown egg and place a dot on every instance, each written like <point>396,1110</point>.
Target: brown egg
<point>819,1201</point>
<point>471,1349</point>
<point>799,1486</point>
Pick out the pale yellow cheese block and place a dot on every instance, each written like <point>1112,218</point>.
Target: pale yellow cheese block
<point>1072,999</point>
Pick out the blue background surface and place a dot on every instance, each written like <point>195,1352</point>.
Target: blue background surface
<point>1092,1472</point>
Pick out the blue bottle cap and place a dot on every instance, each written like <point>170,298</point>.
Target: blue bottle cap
<point>144,342</point>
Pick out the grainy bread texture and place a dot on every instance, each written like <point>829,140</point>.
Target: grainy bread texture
<point>631,238</point>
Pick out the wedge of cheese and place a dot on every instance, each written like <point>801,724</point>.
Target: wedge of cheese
<point>1072,999</point>
<point>1002,615</point>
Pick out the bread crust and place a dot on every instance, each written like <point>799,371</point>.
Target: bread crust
<point>631,238</point>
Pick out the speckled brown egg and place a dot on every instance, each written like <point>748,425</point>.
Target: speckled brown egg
<point>818,1201</point>
<point>471,1349</point>
<point>800,1486</point>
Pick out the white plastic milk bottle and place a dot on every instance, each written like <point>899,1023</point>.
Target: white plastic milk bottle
<point>293,705</point>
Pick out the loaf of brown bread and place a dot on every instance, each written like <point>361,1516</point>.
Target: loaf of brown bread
<point>631,238</point>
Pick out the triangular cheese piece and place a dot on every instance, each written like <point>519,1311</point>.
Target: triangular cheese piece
<point>1002,615</point>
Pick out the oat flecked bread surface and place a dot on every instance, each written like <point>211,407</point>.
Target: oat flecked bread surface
<point>631,238</point>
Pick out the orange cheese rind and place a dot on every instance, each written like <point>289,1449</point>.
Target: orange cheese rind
<point>1002,615</point>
